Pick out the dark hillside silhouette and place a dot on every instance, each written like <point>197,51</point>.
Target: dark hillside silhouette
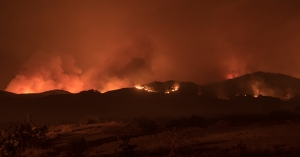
<point>183,99</point>
<point>258,83</point>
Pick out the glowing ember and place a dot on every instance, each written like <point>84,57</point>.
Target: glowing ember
<point>152,89</point>
<point>149,89</point>
<point>139,87</point>
<point>257,93</point>
<point>231,76</point>
<point>26,91</point>
<point>176,87</point>
<point>45,71</point>
<point>173,89</point>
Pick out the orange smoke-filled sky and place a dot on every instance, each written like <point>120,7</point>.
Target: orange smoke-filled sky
<point>78,45</point>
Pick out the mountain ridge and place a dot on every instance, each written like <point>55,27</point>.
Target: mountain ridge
<point>255,84</point>
<point>135,102</point>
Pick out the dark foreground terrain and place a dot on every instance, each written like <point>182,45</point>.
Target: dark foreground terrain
<point>253,115</point>
<point>238,135</point>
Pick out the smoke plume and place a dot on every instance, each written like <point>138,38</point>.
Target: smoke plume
<point>47,71</point>
<point>106,45</point>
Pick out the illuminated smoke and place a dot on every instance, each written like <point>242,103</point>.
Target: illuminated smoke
<point>139,87</point>
<point>45,71</point>
<point>234,67</point>
<point>48,71</point>
<point>256,88</point>
<point>197,41</point>
<point>261,88</point>
<point>174,88</point>
<point>167,89</point>
<point>125,67</point>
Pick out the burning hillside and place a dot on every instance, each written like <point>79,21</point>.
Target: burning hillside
<point>160,87</point>
<point>255,84</point>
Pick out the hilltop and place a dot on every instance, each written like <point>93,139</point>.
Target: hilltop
<point>256,93</point>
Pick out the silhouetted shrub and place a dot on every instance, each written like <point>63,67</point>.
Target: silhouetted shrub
<point>174,143</point>
<point>241,148</point>
<point>89,120</point>
<point>66,128</point>
<point>37,152</point>
<point>127,149</point>
<point>76,146</point>
<point>18,137</point>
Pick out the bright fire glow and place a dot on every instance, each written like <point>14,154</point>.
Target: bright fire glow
<point>231,76</point>
<point>173,89</point>
<point>44,72</point>
<point>49,71</point>
<point>24,85</point>
<point>139,87</point>
<point>146,88</point>
<point>150,89</point>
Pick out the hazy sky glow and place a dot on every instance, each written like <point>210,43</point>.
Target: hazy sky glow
<point>104,45</point>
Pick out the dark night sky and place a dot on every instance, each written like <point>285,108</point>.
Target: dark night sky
<point>77,45</point>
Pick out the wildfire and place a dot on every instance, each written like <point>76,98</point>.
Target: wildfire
<point>148,89</point>
<point>139,87</point>
<point>25,91</point>
<point>173,89</point>
<point>151,89</point>
<point>231,76</point>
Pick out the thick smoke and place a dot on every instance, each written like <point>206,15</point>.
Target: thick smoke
<point>47,71</point>
<point>125,67</point>
<point>113,44</point>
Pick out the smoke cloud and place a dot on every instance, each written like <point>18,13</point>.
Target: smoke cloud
<point>107,45</point>
<point>44,71</point>
<point>47,71</point>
